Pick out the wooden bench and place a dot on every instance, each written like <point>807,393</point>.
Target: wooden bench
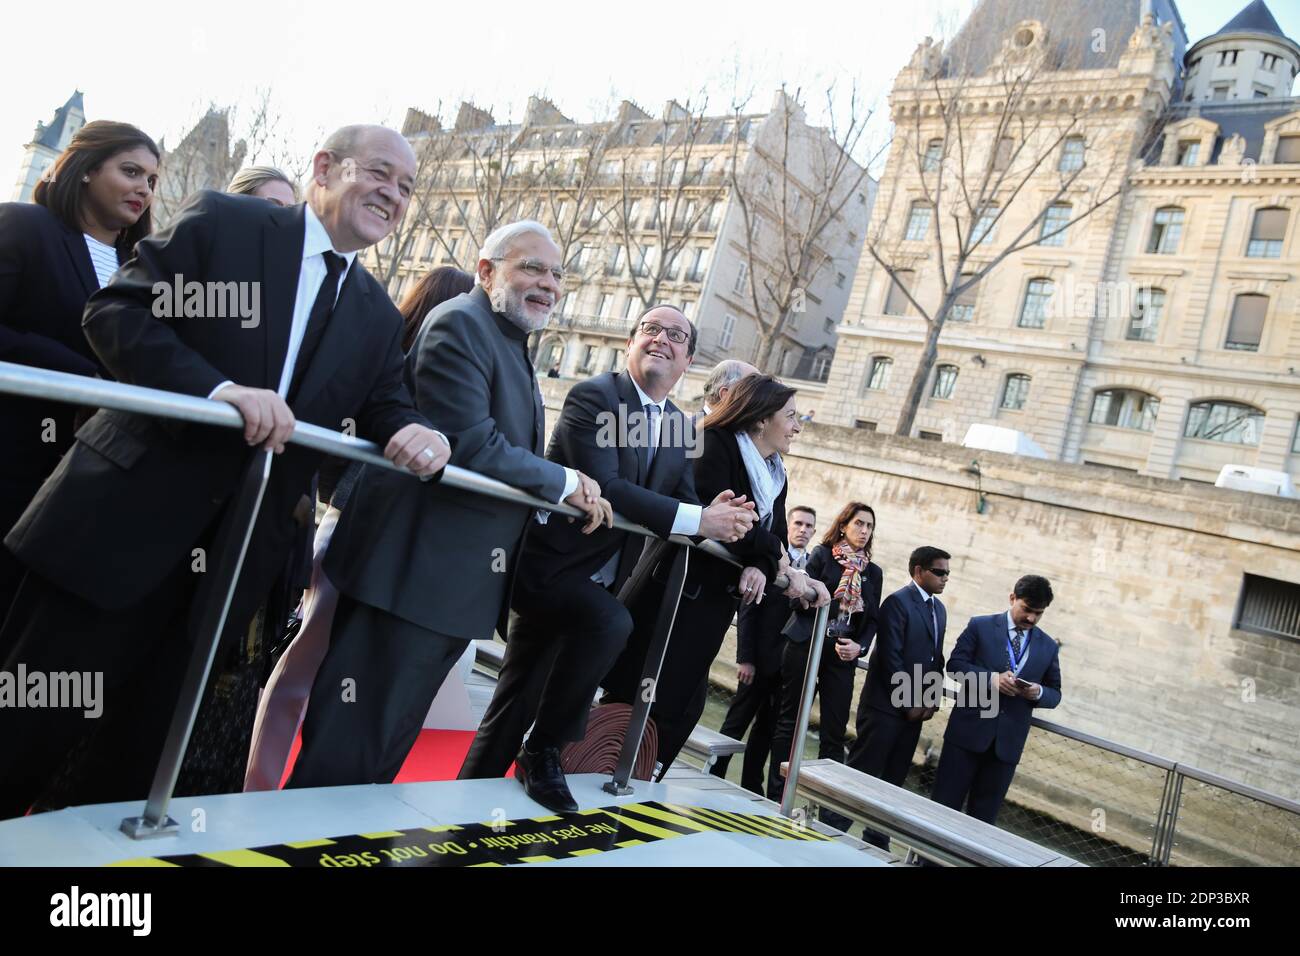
<point>931,829</point>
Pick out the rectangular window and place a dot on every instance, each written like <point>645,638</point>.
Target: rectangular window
<point>929,436</point>
<point>865,425</point>
<point>1266,233</point>
<point>918,222</point>
<point>1189,151</point>
<point>933,156</point>
<point>1071,154</point>
<point>629,306</point>
<point>728,331</point>
<point>1053,231</point>
<point>1268,606</point>
<point>1002,155</point>
<point>896,301</point>
<point>963,310</point>
<point>741,287</point>
<point>688,309</point>
<point>1144,323</point>
<point>1219,93</point>
<point>1246,327</point>
<point>699,265</point>
<point>982,231</point>
<point>589,358</point>
<point>1288,150</point>
<point>606,306</point>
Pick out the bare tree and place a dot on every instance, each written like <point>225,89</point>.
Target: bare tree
<point>797,183</point>
<point>664,196</point>
<point>973,142</point>
<point>220,142</point>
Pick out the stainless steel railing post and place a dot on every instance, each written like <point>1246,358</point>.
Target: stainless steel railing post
<point>214,598</point>
<point>805,709</point>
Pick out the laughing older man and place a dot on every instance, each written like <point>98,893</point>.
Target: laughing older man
<point>424,569</point>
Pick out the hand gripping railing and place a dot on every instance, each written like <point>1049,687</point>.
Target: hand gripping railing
<point>217,590</point>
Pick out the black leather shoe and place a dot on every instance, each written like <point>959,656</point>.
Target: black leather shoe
<point>543,779</point>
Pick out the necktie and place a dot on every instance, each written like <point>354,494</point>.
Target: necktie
<point>318,319</point>
<point>1015,646</point>
<point>652,439</point>
<point>934,620</point>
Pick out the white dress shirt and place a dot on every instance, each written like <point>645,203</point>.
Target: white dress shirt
<point>687,520</point>
<point>312,273</point>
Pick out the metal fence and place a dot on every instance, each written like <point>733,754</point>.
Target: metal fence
<point>1102,803</point>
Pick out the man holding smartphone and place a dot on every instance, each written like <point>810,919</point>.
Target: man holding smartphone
<point>983,742</point>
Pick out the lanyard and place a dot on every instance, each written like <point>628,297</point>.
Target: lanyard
<point>1016,665</point>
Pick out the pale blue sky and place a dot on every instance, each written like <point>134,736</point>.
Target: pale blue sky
<point>329,62</point>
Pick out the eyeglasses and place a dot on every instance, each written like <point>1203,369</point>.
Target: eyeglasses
<point>939,573</point>
<point>535,267</point>
<point>653,329</point>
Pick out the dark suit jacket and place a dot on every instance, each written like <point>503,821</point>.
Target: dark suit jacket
<point>580,440</point>
<point>904,640</point>
<point>440,557</point>
<point>46,276</point>
<point>134,494</point>
<point>823,566</point>
<point>759,640</point>
<point>982,649</point>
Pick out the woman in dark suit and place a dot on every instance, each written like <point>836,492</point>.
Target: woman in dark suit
<point>743,440</point>
<point>843,563</point>
<point>86,216</point>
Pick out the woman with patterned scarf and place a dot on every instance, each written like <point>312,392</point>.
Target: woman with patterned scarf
<point>843,563</point>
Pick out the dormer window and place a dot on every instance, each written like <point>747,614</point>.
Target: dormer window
<point>1189,150</point>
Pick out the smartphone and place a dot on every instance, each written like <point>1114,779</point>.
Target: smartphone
<point>1023,684</point>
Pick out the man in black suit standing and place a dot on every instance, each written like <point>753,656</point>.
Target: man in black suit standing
<point>421,571</point>
<point>984,740</point>
<point>113,540</point>
<point>759,646</point>
<point>897,697</point>
<point>571,626</point>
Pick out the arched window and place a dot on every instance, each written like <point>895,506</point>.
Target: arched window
<point>1229,422</point>
<point>1166,230</point>
<point>945,380</point>
<point>878,377</point>
<point>1125,408</point>
<point>1144,320</point>
<point>1038,296</point>
<point>1015,391</point>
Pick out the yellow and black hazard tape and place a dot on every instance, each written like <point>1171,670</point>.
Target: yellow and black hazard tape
<point>504,843</point>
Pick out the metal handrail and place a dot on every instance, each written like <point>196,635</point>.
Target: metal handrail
<point>34,382</point>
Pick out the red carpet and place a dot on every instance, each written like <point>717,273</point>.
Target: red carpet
<point>437,755</point>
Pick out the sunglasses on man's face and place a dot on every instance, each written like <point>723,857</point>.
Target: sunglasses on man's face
<point>939,572</point>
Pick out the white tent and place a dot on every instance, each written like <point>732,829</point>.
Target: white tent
<point>1006,440</point>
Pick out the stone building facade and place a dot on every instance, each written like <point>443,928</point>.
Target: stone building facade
<point>1158,335</point>
<point>586,180</point>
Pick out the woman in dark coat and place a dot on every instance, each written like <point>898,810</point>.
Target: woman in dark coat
<point>843,563</point>
<point>743,440</point>
<point>86,215</point>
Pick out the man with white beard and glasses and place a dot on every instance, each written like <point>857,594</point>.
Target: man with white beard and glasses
<point>422,569</point>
